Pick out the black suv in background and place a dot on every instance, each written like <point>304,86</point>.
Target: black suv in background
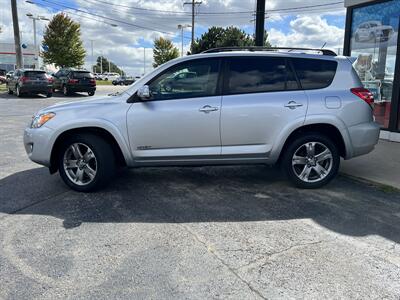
<point>74,80</point>
<point>26,81</point>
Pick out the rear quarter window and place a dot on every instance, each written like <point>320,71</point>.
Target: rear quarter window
<point>314,73</point>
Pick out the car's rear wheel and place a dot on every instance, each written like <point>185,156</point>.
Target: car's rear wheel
<point>49,95</point>
<point>91,93</point>
<point>86,162</point>
<point>311,160</point>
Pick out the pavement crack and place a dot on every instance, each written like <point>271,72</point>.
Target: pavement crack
<point>215,255</point>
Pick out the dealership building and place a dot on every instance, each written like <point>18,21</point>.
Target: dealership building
<point>371,39</point>
<point>8,58</point>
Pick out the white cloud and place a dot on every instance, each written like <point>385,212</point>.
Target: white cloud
<point>307,31</point>
<point>123,44</point>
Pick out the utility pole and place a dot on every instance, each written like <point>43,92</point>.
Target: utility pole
<point>101,63</point>
<point>193,3</point>
<point>34,19</point>
<point>17,41</point>
<point>92,58</point>
<point>144,60</point>
<point>260,18</point>
<point>109,66</point>
<point>182,27</point>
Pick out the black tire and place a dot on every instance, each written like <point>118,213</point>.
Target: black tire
<point>293,171</point>
<point>49,95</point>
<point>91,93</point>
<point>105,161</point>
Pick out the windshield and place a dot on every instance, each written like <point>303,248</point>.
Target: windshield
<point>34,74</point>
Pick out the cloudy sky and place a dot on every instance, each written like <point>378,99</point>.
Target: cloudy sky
<point>300,23</point>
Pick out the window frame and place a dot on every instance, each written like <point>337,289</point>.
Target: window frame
<point>218,91</point>
<point>226,73</point>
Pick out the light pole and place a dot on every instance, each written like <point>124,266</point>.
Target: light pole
<point>92,58</point>
<point>34,18</point>
<point>182,27</point>
<point>144,61</point>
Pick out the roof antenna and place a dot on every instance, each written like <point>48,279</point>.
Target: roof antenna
<point>323,45</point>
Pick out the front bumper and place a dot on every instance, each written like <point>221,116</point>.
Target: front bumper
<point>38,144</point>
<point>364,137</point>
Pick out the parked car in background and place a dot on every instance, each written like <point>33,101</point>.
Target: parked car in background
<point>110,76</point>
<point>9,74</point>
<point>373,31</point>
<point>27,81</point>
<point>301,110</point>
<point>74,80</point>
<point>97,76</point>
<point>123,80</point>
<point>3,79</point>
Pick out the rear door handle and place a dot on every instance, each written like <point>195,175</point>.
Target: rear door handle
<point>293,104</point>
<point>208,108</point>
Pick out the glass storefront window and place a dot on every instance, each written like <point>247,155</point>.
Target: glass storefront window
<point>373,46</point>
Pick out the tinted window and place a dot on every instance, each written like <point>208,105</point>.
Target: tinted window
<point>259,74</point>
<point>314,73</point>
<point>196,78</point>
<point>80,75</point>
<point>34,74</point>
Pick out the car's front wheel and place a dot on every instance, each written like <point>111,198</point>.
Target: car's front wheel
<point>311,160</point>
<point>86,162</point>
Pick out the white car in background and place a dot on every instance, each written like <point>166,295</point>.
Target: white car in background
<point>373,31</point>
<point>110,76</point>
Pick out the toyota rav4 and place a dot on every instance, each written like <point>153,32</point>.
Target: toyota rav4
<point>299,108</point>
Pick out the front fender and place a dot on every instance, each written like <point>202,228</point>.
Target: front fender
<point>97,123</point>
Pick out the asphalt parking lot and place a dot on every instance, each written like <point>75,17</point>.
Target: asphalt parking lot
<point>238,232</point>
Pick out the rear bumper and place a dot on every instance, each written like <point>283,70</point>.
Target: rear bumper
<point>363,138</point>
<point>36,89</point>
<point>81,88</point>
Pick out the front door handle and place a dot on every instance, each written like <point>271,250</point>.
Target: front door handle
<point>293,104</point>
<point>207,108</point>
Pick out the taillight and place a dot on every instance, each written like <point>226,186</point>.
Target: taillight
<point>92,81</point>
<point>50,80</point>
<point>73,81</point>
<point>364,94</point>
<point>24,79</point>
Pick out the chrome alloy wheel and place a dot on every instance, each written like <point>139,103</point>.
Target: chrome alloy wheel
<point>80,164</point>
<point>312,162</point>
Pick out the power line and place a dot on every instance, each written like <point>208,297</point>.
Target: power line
<point>108,18</point>
<point>216,13</point>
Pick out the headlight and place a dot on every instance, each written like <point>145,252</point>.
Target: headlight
<point>39,120</point>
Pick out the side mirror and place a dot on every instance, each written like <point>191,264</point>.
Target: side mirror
<point>144,92</point>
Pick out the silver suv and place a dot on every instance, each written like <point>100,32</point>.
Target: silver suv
<point>301,110</point>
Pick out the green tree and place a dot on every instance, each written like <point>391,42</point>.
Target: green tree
<point>225,37</point>
<point>107,67</point>
<point>163,51</point>
<point>62,43</point>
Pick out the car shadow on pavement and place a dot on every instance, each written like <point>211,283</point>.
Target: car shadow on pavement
<point>205,194</point>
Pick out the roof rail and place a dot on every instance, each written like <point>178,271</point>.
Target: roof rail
<point>260,48</point>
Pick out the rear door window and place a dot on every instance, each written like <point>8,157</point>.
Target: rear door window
<point>314,73</point>
<point>259,75</point>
